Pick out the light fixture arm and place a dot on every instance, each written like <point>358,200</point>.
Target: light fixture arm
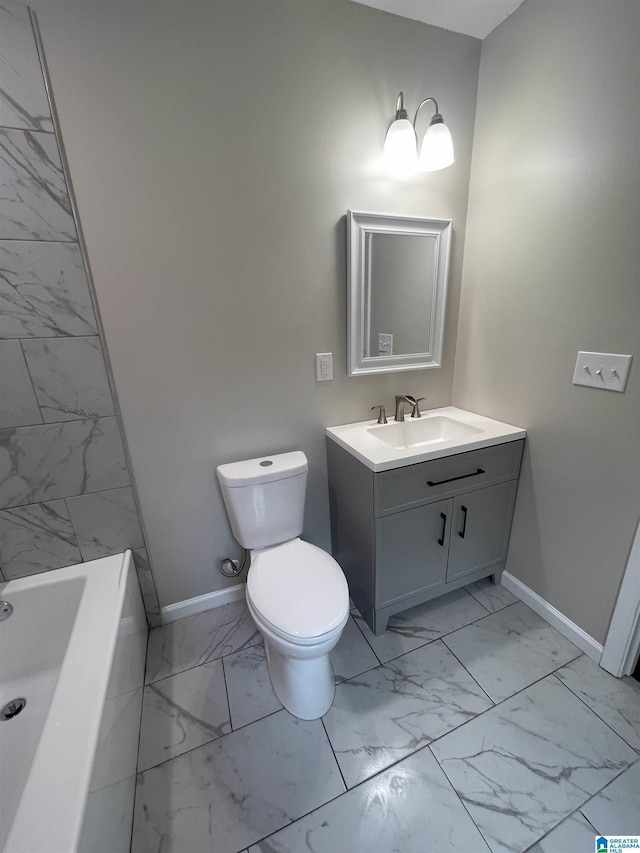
<point>437,119</point>
<point>400,110</point>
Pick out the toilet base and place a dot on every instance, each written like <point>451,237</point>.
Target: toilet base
<point>305,687</point>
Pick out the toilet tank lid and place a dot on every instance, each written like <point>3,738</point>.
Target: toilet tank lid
<point>264,469</point>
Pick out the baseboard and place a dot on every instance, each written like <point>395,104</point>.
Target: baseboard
<point>554,617</point>
<point>202,602</point>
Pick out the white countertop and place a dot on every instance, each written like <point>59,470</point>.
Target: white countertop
<point>359,439</point>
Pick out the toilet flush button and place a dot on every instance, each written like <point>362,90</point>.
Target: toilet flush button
<point>265,463</point>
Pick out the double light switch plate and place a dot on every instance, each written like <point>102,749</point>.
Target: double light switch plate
<point>602,370</point>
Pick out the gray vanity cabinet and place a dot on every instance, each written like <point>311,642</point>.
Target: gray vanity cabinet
<point>410,534</point>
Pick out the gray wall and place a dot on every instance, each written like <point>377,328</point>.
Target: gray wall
<point>65,487</point>
<point>552,266</point>
<point>215,148</point>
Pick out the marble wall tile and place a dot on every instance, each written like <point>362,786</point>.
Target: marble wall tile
<point>251,695</point>
<point>147,587</point>
<point>34,204</point>
<point>69,378</point>
<point>183,712</point>
<point>510,649</point>
<point>226,795</point>
<point>40,463</point>
<point>23,97</point>
<point>36,538</point>
<point>43,291</point>
<point>615,700</point>
<point>105,522</point>
<point>18,406</point>
<point>528,763</point>
<point>410,808</point>
<point>616,809</point>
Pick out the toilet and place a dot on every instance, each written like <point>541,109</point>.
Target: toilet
<point>296,593</point>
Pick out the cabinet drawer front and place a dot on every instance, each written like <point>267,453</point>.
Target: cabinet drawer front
<point>431,481</point>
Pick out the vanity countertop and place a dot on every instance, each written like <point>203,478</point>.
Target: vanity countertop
<point>437,433</point>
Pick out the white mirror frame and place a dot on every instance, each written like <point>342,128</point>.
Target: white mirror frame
<point>359,225</point>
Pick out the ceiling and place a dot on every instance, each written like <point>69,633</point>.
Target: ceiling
<point>471,17</point>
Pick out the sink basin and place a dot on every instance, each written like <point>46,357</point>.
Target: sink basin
<point>437,433</point>
<point>421,431</point>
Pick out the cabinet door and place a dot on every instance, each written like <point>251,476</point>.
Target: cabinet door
<point>411,551</point>
<point>480,532</point>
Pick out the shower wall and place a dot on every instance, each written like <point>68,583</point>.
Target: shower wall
<point>66,492</point>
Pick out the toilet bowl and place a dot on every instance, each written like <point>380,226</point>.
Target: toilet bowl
<point>296,593</point>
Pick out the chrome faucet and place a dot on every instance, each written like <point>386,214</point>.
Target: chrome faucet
<point>400,404</point>
<point>412,401</point>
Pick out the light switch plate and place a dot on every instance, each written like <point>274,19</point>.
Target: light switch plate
<point>602,370</point>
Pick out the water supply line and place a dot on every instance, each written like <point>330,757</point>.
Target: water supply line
<point>231,568</point>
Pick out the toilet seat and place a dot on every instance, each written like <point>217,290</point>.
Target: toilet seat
<point>298,590</point>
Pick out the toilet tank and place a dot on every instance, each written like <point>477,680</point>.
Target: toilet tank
<point>264,498</point>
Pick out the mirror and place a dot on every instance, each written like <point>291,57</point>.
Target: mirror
<point>397,286</point>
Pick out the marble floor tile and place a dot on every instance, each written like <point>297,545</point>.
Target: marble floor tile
<point>182,712</point>
<point>229,794</point>
<point>251,695</point>
<point>43,291</point>
<point>422,624</point>
<point>410,808</point>
<point>34,204</point>
<point>528,763</point>
<point>352,655</point>
<point>575,833</point>
<point>37,538</point>
<point>393,710</point>
<point>615,700</point>
<point>200,638</point>
<point>492,596</point>
<point>616,809</point>
<point>510,649</point>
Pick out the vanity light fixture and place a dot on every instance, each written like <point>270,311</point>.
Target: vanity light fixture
<point>401,142</point>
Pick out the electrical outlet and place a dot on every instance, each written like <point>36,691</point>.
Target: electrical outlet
<point>602,370</point>
<point>324,366</point>
<point>385,344</point>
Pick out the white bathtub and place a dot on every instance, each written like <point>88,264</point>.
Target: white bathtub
<point>74,647</point>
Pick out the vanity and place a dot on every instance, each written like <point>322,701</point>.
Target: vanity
<point>420,507</point>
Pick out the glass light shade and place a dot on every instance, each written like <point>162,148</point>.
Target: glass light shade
<point>437,148</point>
<point>400,152</point>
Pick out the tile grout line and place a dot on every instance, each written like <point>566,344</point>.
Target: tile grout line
<point>490,698</point>
<point>335,757</point>
<point>226,690</point>
<point>593,711</point>
<point>546,835</point>
<point>456,792</point>
<point>136,774</point>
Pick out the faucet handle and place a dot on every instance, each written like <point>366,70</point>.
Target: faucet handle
<point>416,407</point>
<point>382,415</point>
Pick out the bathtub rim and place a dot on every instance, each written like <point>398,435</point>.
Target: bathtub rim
<point>59,790</point>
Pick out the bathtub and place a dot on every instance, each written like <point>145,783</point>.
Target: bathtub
<point>74,648</point>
